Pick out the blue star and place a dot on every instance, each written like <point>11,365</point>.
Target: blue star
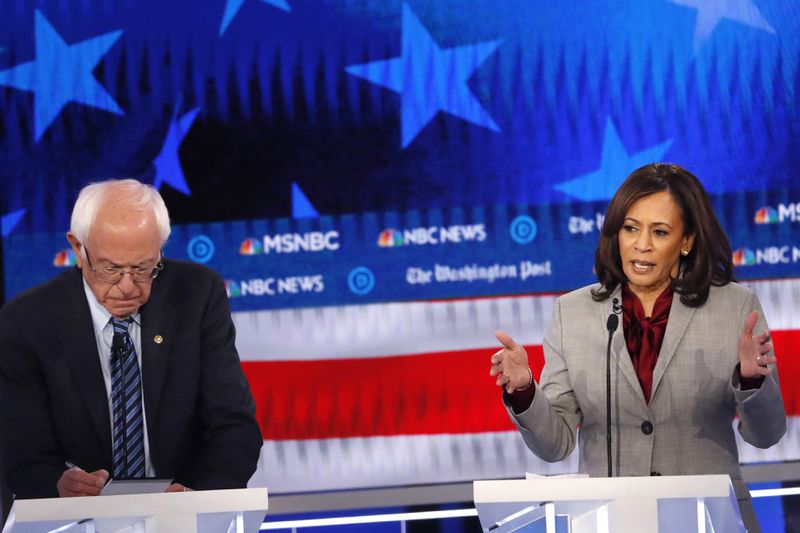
<point>301,205</point>
<point>616,164</point>
<point>710,12</point>
<point>232,8</point>
<point>167,162</point>
<point>61,73</point>
<point>430,79</point>
<point>10,221</point>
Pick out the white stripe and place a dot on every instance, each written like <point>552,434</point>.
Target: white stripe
<point>779,298</point>
<point>368,519</point>
<point>336,464</point>
<point>378,330</point>
<point>329,464</point>
<point>388,329</point>
<point>769,493</point>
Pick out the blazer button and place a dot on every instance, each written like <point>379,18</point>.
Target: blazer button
<point>647,427</point>
<point>655,473</point>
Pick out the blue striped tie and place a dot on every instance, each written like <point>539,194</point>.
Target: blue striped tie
<point>126,401</point>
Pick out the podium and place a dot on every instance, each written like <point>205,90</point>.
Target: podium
<point>664,504</point>
<point>232,511</point>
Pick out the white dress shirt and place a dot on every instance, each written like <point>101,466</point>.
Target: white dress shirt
<point>104,334</point>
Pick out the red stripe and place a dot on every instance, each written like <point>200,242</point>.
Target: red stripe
<point>787,351</point>
<point>448,392</point>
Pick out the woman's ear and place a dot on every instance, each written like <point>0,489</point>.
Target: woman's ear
<point>688,244</point>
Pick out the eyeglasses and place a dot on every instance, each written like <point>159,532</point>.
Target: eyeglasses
<point>109,274</point>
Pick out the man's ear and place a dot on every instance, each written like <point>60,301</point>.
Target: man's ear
<point>76,246</point>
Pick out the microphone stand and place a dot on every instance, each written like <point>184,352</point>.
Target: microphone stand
<point>611,325</point>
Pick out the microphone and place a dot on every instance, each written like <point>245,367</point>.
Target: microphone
<point>611,325</point>
<point>616,308</point>
<point>117,345</point>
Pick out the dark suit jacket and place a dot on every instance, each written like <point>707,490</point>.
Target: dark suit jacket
<point>5,494</point>
<point>200,411</point>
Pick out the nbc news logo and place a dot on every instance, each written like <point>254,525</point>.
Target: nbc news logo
<point>770,255</point>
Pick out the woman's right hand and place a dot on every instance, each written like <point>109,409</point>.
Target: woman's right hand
<point>510,364</point>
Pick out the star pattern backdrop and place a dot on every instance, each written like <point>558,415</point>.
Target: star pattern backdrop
<point>275,114</point>
<point>388,105</point>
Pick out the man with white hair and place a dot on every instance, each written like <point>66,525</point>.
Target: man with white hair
<point>124,367</point>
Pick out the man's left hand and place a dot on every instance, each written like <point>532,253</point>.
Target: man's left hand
<point>177,487</point>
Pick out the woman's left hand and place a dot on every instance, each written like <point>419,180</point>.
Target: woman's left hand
<point>753,350</point>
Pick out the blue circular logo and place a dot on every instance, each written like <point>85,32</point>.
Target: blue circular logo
<point>523,229</point>
<point>200,249</point>
<point>361,280</point>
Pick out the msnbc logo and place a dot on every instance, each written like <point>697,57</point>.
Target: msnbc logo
<point>250,247</point>
<point>766,215</point>
<point>232,288</point>
<point>389,238</point>
<point>744,257</point>
<point>65,258</point>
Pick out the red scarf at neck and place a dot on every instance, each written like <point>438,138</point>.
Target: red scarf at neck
<point>644,335</point>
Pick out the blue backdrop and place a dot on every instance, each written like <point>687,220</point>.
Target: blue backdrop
<point>397,116</point>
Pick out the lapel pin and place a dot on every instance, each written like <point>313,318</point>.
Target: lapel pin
<point>158,339</point>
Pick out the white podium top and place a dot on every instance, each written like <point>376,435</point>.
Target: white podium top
<point>644,504</point>
<point>174,511</point>
<point>615,488</point>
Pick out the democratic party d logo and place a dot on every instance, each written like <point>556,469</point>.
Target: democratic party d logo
<point>523,229</point>
<point>361,280</point>
<point>200,249</point>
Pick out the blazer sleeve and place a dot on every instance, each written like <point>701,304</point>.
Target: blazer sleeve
<point>231,439</point>
<point>549,426</point>
<point>33,461</point>
<point>762,418</point>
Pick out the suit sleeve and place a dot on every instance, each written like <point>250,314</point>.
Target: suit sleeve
<point>762,419</point>
<point>231,440</point>
<point>549,426</point>
<point>33,461</point>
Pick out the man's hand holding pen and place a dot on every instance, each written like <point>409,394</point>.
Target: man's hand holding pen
<point>75,481</point>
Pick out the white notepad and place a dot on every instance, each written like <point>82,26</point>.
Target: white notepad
<point>135,486</point>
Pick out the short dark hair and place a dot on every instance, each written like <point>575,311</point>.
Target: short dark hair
<point>709,262</point>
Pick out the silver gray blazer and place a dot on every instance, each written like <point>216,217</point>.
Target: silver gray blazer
<point>687,427</point>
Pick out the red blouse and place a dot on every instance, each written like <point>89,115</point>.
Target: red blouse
<point>644,335</point>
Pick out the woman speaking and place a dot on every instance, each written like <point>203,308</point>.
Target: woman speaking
<point>693,350</point>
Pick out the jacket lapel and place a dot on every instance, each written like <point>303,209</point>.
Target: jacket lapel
<point>158,318</point>
<point>619,350</point>
<point>679,317</point>
<point>80,350</point>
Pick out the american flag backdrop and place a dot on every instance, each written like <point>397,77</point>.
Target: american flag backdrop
<point>399,394</point>
<point>382,184</point>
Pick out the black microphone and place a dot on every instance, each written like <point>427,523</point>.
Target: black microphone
<point>117,344</point>
<point>616,308</point>
<point>611,325</point>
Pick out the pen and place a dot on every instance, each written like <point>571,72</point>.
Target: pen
<point>69,464</point>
